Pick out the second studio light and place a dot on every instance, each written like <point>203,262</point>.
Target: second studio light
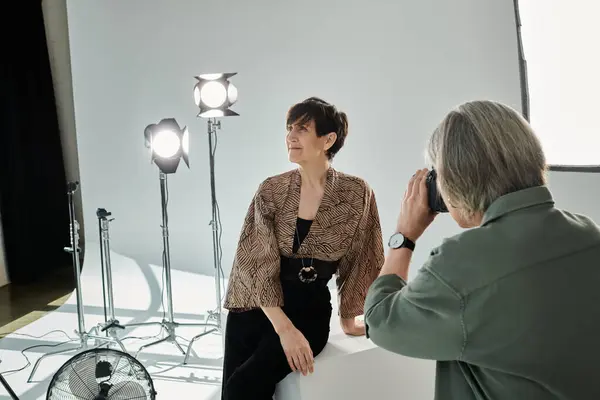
<point>168,144</point>
<point>214,94</point>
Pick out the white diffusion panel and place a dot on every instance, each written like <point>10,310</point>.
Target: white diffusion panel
<point>560,42</point>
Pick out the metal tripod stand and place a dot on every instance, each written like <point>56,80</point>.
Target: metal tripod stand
<point>168,323</point>
<point>111,324</point>
<point>75,252</point>
<point>217,314</point>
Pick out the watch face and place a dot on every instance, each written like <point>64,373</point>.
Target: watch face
<point>396,240</point>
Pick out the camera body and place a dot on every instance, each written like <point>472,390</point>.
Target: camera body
<point>436,203</point>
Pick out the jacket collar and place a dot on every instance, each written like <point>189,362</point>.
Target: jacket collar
<point>330,198</point>
<point>517,201</point>
<point>327,213</point>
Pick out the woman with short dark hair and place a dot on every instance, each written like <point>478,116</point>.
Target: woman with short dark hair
<point>510,307</point>
<point>303,227</point>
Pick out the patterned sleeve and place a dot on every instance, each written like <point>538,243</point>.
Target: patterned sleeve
<point>361,265</point>
<point>254,280</point>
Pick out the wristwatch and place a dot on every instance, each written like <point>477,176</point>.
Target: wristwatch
<point>398,240</point>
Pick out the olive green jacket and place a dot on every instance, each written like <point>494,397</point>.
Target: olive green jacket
<point>510,309</point>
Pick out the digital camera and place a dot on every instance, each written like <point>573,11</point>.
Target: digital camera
<point>436,203</point>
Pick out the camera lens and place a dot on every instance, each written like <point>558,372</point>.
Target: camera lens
<point>436,203</point>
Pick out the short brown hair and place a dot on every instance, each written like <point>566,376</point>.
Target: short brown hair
<point>327,119</point>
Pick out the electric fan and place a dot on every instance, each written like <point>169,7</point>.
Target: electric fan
<point>101,374</point>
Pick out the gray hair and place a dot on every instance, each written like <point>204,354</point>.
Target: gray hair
<point>483,150</point>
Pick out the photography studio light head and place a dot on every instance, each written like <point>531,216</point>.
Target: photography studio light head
<point>214,94</point>
<point>168,144</point>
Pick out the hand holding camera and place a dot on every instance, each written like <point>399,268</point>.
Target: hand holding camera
<point>436,203</point>
<point>420,205</point>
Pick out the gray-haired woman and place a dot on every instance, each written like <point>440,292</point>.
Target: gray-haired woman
<point>510,309</point>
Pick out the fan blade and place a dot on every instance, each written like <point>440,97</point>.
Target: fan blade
<point>82,379</point>
<point>127,390</point>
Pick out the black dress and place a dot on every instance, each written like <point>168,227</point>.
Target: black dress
<point>254,360</point>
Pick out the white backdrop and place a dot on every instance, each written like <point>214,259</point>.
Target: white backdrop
<point>394,67</point>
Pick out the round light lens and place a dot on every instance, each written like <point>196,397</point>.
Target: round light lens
<point>166,144</point>
<point>213,94</point>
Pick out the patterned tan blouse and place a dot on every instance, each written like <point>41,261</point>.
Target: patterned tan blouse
<point>346,228</point>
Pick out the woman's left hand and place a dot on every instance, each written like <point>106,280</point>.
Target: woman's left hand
<point>415,215</point>
<point>353,327</point>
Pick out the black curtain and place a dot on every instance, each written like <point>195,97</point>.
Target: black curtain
<point>33,201</point>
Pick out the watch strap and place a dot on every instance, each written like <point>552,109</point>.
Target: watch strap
<point>409,244</point>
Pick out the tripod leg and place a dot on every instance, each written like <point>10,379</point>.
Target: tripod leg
<point>122,346</point>
<point>110,340</point>
<point>178,346</point>
<point>12,394</point>
<point>112,333</point>
<point>187,354</point>
<point>166,338</point>
<point>171,336</point>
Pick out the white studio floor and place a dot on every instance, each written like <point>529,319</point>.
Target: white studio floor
<point>349,367</point>
<point>137,298</point>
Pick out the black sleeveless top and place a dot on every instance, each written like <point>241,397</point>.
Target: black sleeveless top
<point>302,228</point>
<point>305,270</point>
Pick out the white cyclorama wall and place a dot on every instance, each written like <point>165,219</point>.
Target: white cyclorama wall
<point>395,67</point>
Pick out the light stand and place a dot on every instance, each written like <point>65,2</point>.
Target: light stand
<point>111,324</point>
<point>212,130</point>
<point>214,94</point>
<point>217,313</point>
<point>167,164</point>
<point>75,251</point>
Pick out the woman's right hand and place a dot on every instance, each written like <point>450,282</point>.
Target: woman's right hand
<point>297,350</point>
<point>295,346</point>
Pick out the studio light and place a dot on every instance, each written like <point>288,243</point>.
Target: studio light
<point>168,144</point>
<point>214,94</point>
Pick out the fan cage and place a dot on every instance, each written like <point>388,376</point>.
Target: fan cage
<point>120,377</point>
